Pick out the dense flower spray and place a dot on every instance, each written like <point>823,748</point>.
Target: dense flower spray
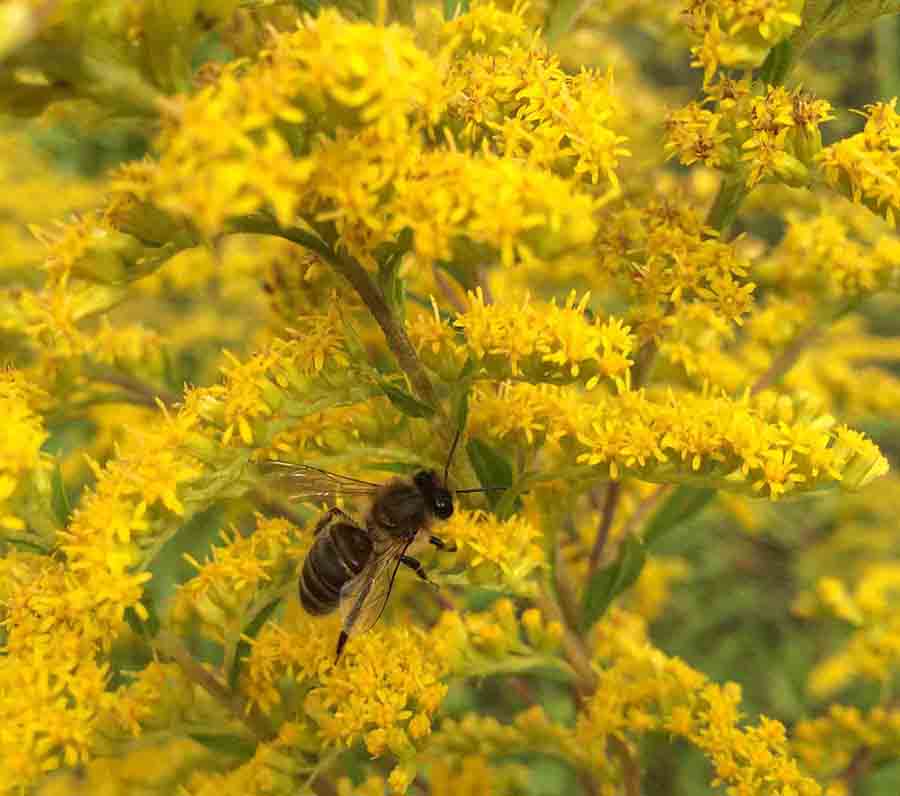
<point>338,235</point>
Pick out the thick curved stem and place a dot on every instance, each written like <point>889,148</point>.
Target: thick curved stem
<point>394,333</point>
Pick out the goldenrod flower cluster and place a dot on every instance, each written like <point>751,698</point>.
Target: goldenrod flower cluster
<point>741,445</point>
<point>829,743</point>
<point>762,133</point>
<point>533,341</point>
<point>739,33</point>
<point>21,462</point>
<point>864,166</point>
<point>366,240</point>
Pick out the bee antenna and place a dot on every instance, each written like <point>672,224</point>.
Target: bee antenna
<point>450,455</point>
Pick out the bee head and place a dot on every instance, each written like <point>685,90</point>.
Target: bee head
<point>438,497</point>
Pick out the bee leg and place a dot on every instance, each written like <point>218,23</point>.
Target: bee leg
<point>440,544</point>
<point>328,516</point>
<point>342,639</point>
<point>416,566</point>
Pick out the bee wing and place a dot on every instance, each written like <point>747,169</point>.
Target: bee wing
<point>363,597</point>
<point>305,482</point>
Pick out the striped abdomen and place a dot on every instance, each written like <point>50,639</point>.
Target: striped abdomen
<point>339,553</point>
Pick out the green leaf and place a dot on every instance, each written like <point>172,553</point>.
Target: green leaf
<point>404,401</point>
<point>455,8</point>
<point>252,631</point>
<point>404,468</point>
<point>561,17</point>
<point>681,505</point>
<point>392,286</point>
<point>492,468</point>
<point>169,567</point>
<point>62,508</point>
<point>460,394</point>
<point>148,628</point>
<point>777,64</point>
<point>231,745</point>
<point>26,545</point>
<point>608,583</point>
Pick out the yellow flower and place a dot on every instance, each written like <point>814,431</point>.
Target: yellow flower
<point>535,340</point>
<point>641,687</point>
<point>828,743</point>
<point>487,28</point>
<point>693,133</point>
<point>865,166</point>
<point>239,578</point>
<point>738,33</point>
<point>507,552</point>
<point>871,650</point>
<point>467,207</point>
<point>662,254</point>
<point>386,684</point>
<point>519,102</point>
<point>21,461</point>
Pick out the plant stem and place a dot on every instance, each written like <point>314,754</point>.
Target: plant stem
<point>394,333</point>
<point>631,771</point>
<point>858,768</point>
<point>573,646</point>
<point>610,503</point>
<point>723,212</point>
<point>568,601</point>
<point>146,393</point>
<point>368,291</point>
<point>578,655</point>
<point>786,359</point>
<point>887,36</point>
<point>170,646</point>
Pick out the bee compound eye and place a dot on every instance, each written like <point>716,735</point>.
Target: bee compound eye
<point>443,506</point>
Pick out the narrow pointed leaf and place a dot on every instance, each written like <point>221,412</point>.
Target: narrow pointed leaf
<point>684,503</point>
<point>250,631</point>
<point>608,583</point>
<point>491,467</point>
<point>404,401</point>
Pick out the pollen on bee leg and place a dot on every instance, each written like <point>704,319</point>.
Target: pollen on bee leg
<point>440,544</point>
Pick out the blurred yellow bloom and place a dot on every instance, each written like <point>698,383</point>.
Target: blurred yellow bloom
<point>739,33</point>
<point>20,450</point>
<point>865,166</point>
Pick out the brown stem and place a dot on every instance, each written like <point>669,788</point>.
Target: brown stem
<point>631,771</point>
<point>403,349</point>
<point>644,508</point>
<point>368,291</point>
<point>586,683</point>
<point>786,359</point>
<point>610,503</point>
<point>642,363</point>
<point>573,647</point>
<point>322,786</point>
<point>565,592</point>
<point>588,785</point>
<point>857,768</point>
<point>447,290</point>
<point>639,372</point>
<point>170,646</point>
<point>147,393</point>
<point>394,333</point>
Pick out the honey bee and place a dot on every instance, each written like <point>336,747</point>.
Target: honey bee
<point>351,566</point>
